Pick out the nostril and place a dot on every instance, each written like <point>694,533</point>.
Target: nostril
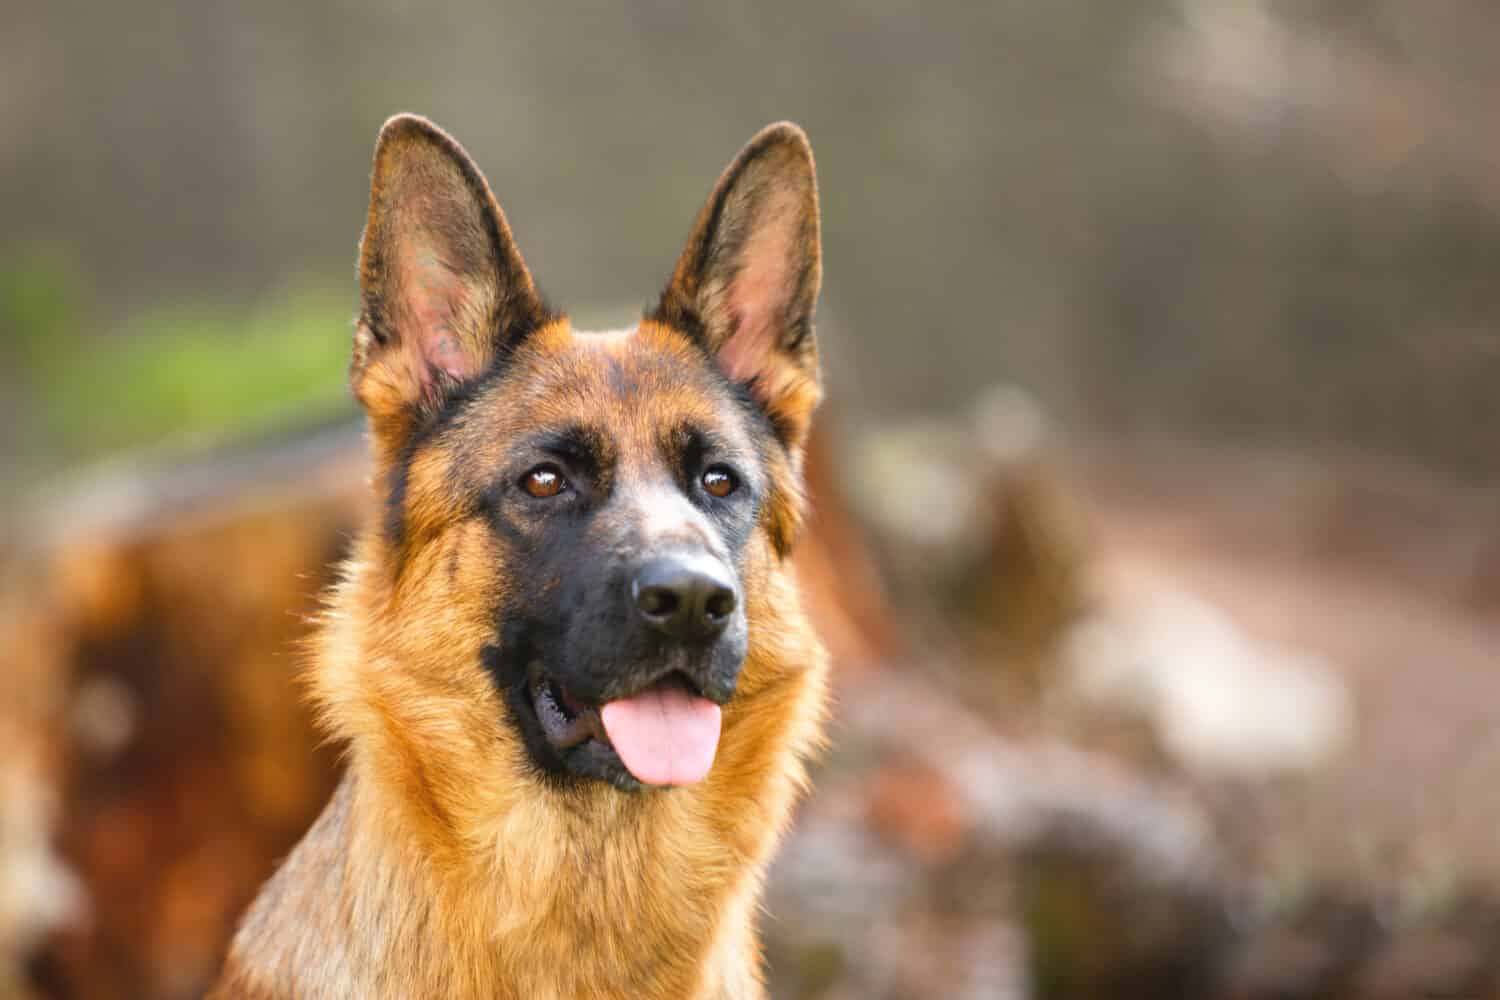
<point>719,606</point>
<point>657,602</point>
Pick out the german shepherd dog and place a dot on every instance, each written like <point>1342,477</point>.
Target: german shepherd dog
<point>567,658</point>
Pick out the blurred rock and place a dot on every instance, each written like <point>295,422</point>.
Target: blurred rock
<point>939,860</point>
<point>1221,703</point>
<point>176,764</point>
<point>1314,950</point>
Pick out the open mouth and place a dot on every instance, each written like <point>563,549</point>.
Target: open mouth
<point>664,734</point>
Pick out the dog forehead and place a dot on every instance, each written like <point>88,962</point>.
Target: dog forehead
<point>631,384</point>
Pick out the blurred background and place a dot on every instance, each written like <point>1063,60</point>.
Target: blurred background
<point>1158,511</point>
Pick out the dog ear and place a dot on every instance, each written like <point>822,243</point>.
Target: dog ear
<point>747,283</point>
<point>443,288</point>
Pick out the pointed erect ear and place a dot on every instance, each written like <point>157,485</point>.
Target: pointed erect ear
<point>747,283</point>
<point>443,288</point>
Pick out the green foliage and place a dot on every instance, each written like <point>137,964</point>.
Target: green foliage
<point>42,297</point>
<point>194,370</point>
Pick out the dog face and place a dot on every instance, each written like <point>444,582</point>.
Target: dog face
<point>583,532</point>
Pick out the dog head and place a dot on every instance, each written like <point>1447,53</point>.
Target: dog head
<point>578,575</point>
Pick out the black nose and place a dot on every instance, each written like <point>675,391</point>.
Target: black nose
<point>686,597</point>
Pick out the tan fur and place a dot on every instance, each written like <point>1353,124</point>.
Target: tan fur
<point>443,867</point>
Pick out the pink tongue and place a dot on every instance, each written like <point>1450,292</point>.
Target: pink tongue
<point>664,735</point>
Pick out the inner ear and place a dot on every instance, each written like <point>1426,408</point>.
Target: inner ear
<point>747,283</point>
<point>443,287</point>
<point>763,297</point>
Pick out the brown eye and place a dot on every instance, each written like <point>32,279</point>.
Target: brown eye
<point>719,481</point>
<point>544,481</point>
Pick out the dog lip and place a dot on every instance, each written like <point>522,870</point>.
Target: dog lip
<point>565,722</point>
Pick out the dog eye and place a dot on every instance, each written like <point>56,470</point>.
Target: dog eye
<point>719,482</point>
<point>544,481</point>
